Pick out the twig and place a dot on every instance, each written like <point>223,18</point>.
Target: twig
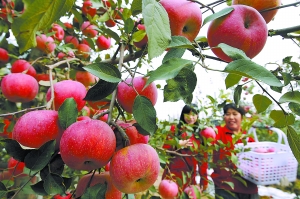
<point>279,7</point>
<point>25,110</point>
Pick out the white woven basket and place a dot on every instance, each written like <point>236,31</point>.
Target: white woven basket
<point>268,168</point>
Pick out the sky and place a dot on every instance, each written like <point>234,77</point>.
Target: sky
<point>210,82</point>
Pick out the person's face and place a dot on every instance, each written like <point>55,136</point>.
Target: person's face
<point>233,120</point>
<point>190,118</point>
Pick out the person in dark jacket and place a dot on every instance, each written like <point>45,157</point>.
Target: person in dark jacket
<point>228,184</point>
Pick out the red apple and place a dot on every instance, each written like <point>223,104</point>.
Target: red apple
<point>126,94</point>
<point>103,118</point>
<point>193,191</point>
<point>73,40</point>
<point>111,192</point>
<point>68,25</point>
<point>144,40</point>
<point>20,66</point>
<point>15,167</point>
<point>45,44</point>
<point>185,17</point>
<point>87,145</point>
<point>62,55</point>
<point>59,32</point>
<point>133,134</point>
<point>89,29</point>
<point>35,128</point>
<point>103,43</point>
<point>87,9</point>
<point>110,23</point>
<point>86,78</point>
<point>208,132</point>
<point>4,58</point>
<point>244,28</point>
<point>168,189</point>
<point>43,77</point>
<point>66,196</point>
<point>83,51</point>
<point>261,5</point>
<point>19,87</point>
<point>134,168</point>
<point>68,89</point>
<point>80,118</point>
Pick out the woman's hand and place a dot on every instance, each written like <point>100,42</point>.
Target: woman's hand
<point>185,143</point>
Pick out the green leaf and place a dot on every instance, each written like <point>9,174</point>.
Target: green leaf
<point>250,69</point>
<point>173,53</point>
<point>229,183</point>
<point>3,190</point>
<point>140,129</point>
<point>53,184</point>
<point>145,114</point>
<point>168,70</point>
<point>96,191</point>
<point>292,96</point>
<point>100,90</point>
<point>38,188</point>
<point>180,42</point>
<point>237,94</point>
<point>295,107</point>
<point>232,79</point>
<point>104,71</point>
<point>128,26</point>
<point>261,102</point>
<point>294,142</point>
<point>136,7</point>
<point>276,89</point>
<point>181,87</point>
<point>67,113</point>
<point>37,159</point>
<point>14,149</point>
<point>216,15</point>
<point>37,16</point>
<point>281,119</point>
<point>233,53</point>
<point>157,27</point>
<point>286,78</point>
<point>112,34</point>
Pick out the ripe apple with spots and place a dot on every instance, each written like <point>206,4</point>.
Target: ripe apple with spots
<point>89,29</point>
<point>168,189</point>
<point>134,168</point>
<point>4,58</point>
<point>126,94</point>
<point>243,28</point>
<point>20,66</point>
<point>87,145</point>
<point>19,87</point>
<point>103,42</point>
<point>72,40</point>
<point>185,21</point>
<point>208,132</point>
<point>99,178</point>
<point>83,51</point>
<point>132,133</point>
<point>261,5</point>
<point>45,44</point>
<point>35,128</point>
<point>68,89</point>
<point>86,78</point>
<point>59,32</point>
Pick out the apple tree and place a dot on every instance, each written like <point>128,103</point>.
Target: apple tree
<point>69,68</point>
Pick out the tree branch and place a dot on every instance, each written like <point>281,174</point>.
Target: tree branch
<point>283,32</point>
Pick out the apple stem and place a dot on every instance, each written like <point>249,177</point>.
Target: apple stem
<point>122,132</point>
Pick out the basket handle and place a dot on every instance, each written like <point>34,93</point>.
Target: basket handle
<point>276,130</point>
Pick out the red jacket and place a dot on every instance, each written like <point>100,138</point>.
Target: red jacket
<point>186,164</point>
<point>221,159</point>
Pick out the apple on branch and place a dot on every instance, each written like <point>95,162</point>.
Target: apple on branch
<point>185,17</point>
<point>168,189</point>
<point>134,168</point>
<point>87,145</point>
<point>243,28</point>
<point>261,5</point>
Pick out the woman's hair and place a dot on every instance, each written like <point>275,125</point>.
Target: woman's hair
<point>186,110</point>
<point>234,107</point>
